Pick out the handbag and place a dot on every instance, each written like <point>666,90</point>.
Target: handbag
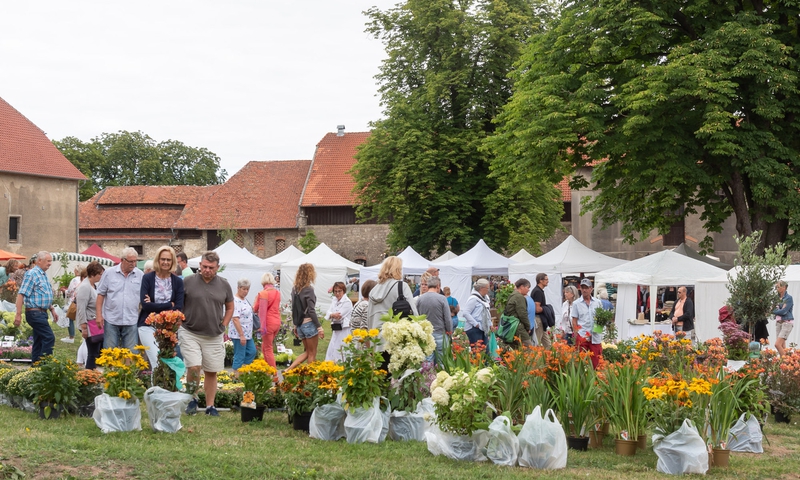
<point>72,311</point>
<point>336,326</point>
<point>95,333</point>
<point>508,328</point>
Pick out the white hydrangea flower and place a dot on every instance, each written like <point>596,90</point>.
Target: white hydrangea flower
<point>485,375</point>
<point>440,396</point>
<point>442,375</point>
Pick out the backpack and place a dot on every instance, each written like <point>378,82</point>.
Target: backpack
<point>401,305</point>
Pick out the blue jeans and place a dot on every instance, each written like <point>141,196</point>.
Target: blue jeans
<point>475,334</point>
<point>122,336</point>
<point>71,329</point>
<point>436,356</point>
<point>43,336</point>
<point>243,355</point>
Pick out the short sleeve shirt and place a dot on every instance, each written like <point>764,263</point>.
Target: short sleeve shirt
<point>204,305</point>
<point>36,289</point>
<point>244,312</point>
<point>537,294</point>
<point>585,315</point>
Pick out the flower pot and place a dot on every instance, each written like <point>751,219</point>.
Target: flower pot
<point>596,439</point>
<point>721,457</point>
<point>250,414</point>
<point>86,410</point>
<point>597,329</point>
<point>578,443</point>
<point>625,447</point>
<point>48,410</point>
<point>641,442</point>
<point>781,417</point>
<point>606,428</point>
<point>300,421</point>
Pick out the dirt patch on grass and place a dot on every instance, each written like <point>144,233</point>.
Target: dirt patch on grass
<point>60,472</point>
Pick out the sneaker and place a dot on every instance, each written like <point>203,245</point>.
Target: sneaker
<point>68,340</point>
<point>191,409</point>
<point>212,411</point>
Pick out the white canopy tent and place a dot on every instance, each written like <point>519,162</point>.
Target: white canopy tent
<point>238,263</point>
<point>413,264</point>
<point>521,256</point>
<point>662,268</point>
<point>448,255</point>
<point>73,260</point>
<point>330,267</point>
<point>714,292</point>
<point>480,260</point>
<point>287,255</point>
<point>571,257</point>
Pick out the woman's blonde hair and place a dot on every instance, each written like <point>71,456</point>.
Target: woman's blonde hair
<point>157,264</point>
<point>267,279</point>
<point>391,268</point>
<point>305,276</point>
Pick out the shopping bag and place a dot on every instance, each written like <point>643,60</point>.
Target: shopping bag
<point>164,408</point>
<point>682,451</point>
<point>457,447</point>
<point>746,436</point>
<point>364,424</point>
<point>542,441</point>
<point>327,422</point>
<point>114,414</point>
<point>503,445</point>
<point>508,328</point>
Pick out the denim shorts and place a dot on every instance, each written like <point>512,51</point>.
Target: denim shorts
<point>307,330</point>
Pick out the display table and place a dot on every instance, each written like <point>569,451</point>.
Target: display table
<point>648,329</point>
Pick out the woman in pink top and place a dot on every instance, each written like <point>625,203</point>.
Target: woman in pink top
<point>267,305</point>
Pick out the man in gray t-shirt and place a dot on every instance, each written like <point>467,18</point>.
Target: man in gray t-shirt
<point>208,307</point>
<point>437,311</point>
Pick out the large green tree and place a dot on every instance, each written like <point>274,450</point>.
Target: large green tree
<point>133,158</point>
<point>683,106</point>
<point>445,79</point>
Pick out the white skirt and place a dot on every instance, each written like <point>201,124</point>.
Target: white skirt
<point>337,336</point>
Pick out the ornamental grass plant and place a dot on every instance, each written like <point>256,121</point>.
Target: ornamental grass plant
<point>575,393</point>
<point>622,397</point>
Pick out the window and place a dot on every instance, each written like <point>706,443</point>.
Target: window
<point>676,234</point>
<point>258,240</point>
<point>139,249</point>
<point>177,248</point>
<point>239,239</point>
<point>280,245</point>
<point>13,229</point>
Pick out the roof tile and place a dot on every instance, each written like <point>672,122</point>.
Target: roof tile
<point>24,148</point>
<point>334,157</point>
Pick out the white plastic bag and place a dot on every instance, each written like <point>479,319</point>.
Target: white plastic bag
<point>327,422</point>
<point>164,408</point>
<point>746,436</point>
<point>365,424</point>
<point>457,447</point>
<point>542,441</point>
<point>503,445</point>
<point>8,306</point>
<point>385,415</point>
<point>406,426</point>
<point>427,409</point>
<point>114,414</point>
<point>682,451</point>
<point>63,321</point>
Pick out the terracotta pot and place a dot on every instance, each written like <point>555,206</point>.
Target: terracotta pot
<point>625,447</point>
<point>721,457</point>
<point>641,442</point>
<point>606,428</point>
<point>596,439</point>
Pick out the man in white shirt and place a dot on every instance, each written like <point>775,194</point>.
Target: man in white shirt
<point>118,302</point>
<point>583,322</point>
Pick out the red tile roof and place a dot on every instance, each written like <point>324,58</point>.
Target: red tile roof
<point>329,183</point>
<point>144,195</point>
<point>124,236</point>
<point>262,195</point>
<point>566,192</point>
<point>25,149</point>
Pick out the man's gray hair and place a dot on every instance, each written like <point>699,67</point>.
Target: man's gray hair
<point>243,282</point>
<point>42,254</point>
<point>434,282</point>
<point>129,251</point>
<point>211,256</point>
<point>480,283</point>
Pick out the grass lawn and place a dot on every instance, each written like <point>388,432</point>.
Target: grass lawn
<point>213,448</point>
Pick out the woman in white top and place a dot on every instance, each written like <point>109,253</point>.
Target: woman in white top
<point>339,315</point>
<point>240,330</point>
<point>476,312</point>
<point>570,294</point>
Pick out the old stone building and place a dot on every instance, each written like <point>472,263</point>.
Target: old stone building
<point>39,189</point>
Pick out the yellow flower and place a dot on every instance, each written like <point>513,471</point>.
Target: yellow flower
<point>125,394</point>
<point>374,332</point>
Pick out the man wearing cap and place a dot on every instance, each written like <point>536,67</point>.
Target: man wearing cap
<point>423,283</point>
<point>583,322</point>
<point>36,294</point>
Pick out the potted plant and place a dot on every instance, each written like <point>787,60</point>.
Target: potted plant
<point>782,380</point>
<point>90,385</point>
<point>623,401</point>
<point>166,324</point>
<point>736,341</point>
<point>307,386</point>
<point>117,409</point>
<point>257,378</point>
<point>602,319</point>
<point>724,407</point>
<point>54,386</point>
<point>574,393</point>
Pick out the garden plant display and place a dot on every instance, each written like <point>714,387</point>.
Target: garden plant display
<point>166,326</point>
<point>362,381</point>
<point>121,369</point>
<point>54,384</point>
<point>257,378</point>
<point>309,385</point>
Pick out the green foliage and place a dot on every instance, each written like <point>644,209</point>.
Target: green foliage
<point>10,472</point>
<point>422,168</point>
<point>308,242</point>
<point>54,382</point>
<point>753,293</point>
<point>501,296</point>
<point>678,108</point>
<point>575,393</point>
<point>66,277</point>
<point>133,158</point>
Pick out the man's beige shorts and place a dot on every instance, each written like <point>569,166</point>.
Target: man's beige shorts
<point>784,329</point>
<point>208,352</point>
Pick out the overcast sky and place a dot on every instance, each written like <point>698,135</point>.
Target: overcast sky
<point>249,80</point>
